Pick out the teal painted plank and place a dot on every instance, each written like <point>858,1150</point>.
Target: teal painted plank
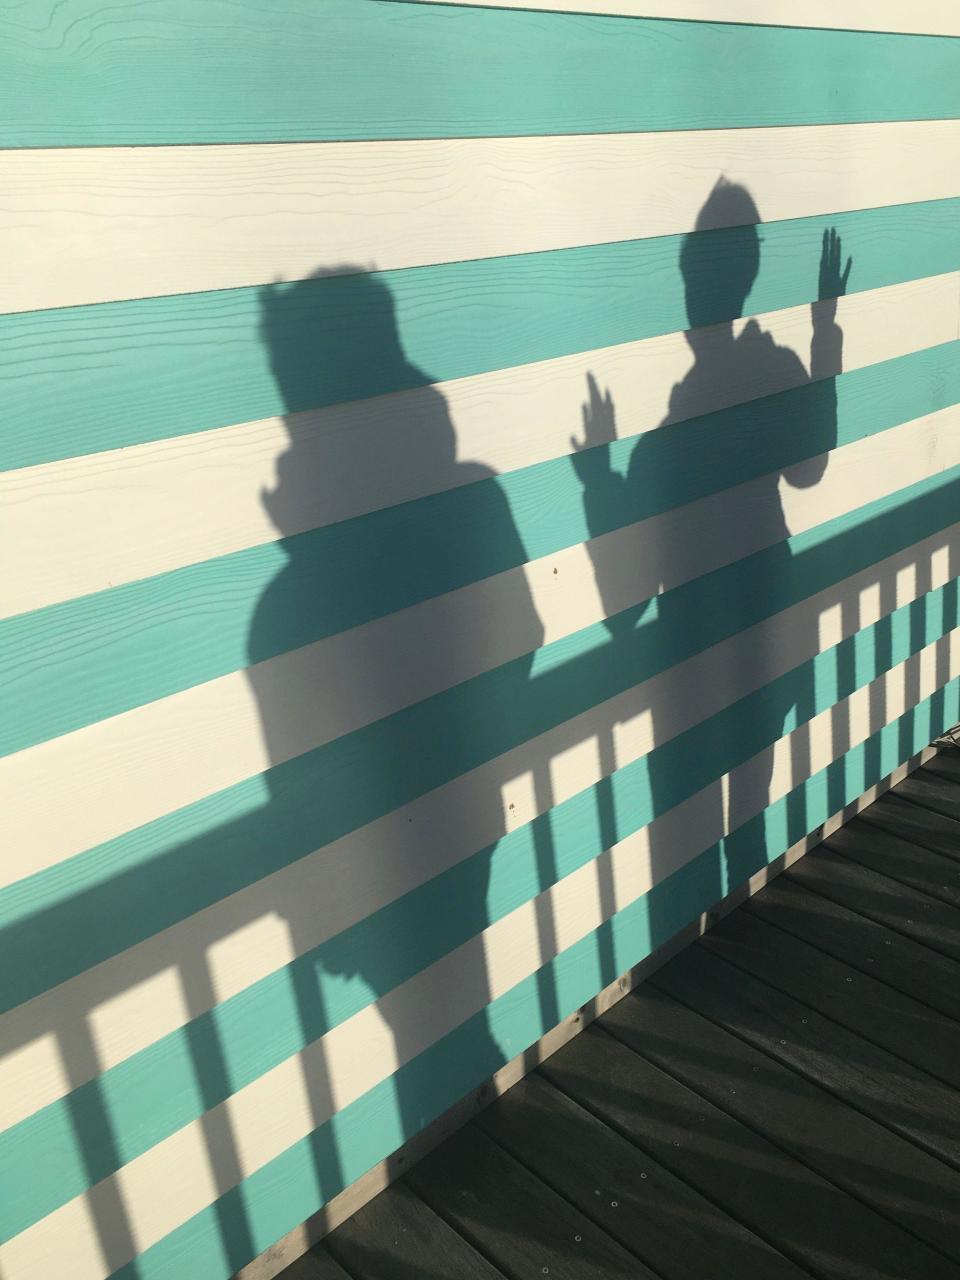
<point>107,899</point>
<point>76,380</point>
<point>291,1187</point>
<point>138,1103</point>
<point>88,74</point>
<point>137,643</point>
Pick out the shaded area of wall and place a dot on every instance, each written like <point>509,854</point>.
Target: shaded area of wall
<point>393,657</point>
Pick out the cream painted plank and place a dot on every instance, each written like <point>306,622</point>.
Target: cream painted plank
<point>80,525</point>
<point>130,769</point>
<point>381,1175</point>
<point>97,224</point>
<point>135,998</point>
<point>174,1180</point>
<point>931,17</point>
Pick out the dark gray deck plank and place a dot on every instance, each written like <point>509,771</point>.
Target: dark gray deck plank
<point>513,1218</point>
<point>923,827</point>
<point>814,903</point>
<point>758,1065</point>
<point>654,1214</point>
<point>886,854</point>
<point>888,1088</point>
<point>947,764</point>
<point>917,1035</point>
<point>316,1265</point>
<point>827,1232</point>
<point>897,901</point>
<point>932,791</point>
<point>789,1086</point>
<point>398,1237</point>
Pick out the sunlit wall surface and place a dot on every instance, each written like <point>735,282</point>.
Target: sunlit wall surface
<point>480,483</point>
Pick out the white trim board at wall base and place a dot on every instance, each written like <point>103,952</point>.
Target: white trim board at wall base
<point>291,1246</point>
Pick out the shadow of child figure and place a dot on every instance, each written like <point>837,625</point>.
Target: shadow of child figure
<point>779,439</point>
<point>353,555</point>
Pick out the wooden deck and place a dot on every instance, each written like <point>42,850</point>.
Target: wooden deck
<point>781,1100</point>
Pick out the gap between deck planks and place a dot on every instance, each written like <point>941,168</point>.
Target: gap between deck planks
<point>782,1099</point>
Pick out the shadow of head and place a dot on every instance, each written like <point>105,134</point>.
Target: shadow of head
<point>334,346</point>
<point>718,275</point>
<point>331,336</point>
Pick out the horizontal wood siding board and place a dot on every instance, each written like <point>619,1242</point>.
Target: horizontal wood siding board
<point>341,70</point>
<point>224,1006</point>
<point>116,374</point>
<point>933,17</point>
<point>105,519</point>
<point>164,1087</point>
<point>134,644</point>
<point>89,225</point>
<point>287,1189</point>
<point>135,1012</point>
<point>245,832</point>
<point>95,773</point>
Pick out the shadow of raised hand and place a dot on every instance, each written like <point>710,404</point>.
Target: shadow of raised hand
<point>826,362</point>
<point>833,282</point>
<point>589,459</point>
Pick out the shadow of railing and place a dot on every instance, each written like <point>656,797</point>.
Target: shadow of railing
<point>646,803</point>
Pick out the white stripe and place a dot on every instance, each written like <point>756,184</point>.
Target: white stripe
<point>135,998</point>
<point>174,1180</point>
<point>931,17</point>
<point>96,224</point>
<point>84,524</point>
<point>120,773</point>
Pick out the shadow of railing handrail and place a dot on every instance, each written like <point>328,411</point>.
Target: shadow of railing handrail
<point>87,927</point>
<point>579,684</point>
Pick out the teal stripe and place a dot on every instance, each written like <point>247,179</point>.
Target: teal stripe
<point>335,69</point>
<point>67,1146</point>
<point>138,643</point>
<point>112,897</point>
<point>80,379</point>
<point>291,1187</point>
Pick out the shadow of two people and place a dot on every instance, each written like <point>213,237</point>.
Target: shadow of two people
<point>377,513</point>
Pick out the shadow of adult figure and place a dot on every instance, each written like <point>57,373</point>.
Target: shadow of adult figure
<point>355,553</point>
<point>783,439</point>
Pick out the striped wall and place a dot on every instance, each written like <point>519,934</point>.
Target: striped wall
<point>479,483</point>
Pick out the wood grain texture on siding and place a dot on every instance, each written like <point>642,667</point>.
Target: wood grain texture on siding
<point>285,1191</point>
<point>123,373</point>
<point>338,70</point>
<point>275,1111</point>
<point>124,772</point>
<point>137,998</point>
<point>149,1097</point>
<point>83,524</point>
<point>95,225</point>
<point>130,1017</point>
<point>492,199</point>
<point>931,17</point>
<point>137,643</point>
<point>146,880</point>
